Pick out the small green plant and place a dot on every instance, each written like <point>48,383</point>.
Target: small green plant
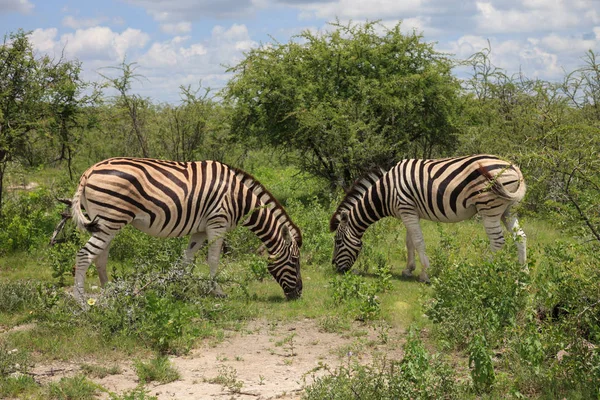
<point>99,371</point>
<point>480,363</point>
<point>12,360</point>
<point>17,386</point>
<point>158,369</point>
<point>418,375</point>
<point>77,387</point>
<point>139,393</point>
<point>61,258</point>
<point>164,322</point>
<point>228,378</point>
<point>17,296</point>
<point>288,344</point>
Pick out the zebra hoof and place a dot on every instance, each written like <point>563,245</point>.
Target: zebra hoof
<point>424,279</point>
<point>407,273</point>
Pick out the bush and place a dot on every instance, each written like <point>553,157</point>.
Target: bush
<point>358,295</point>
<point>158,369</point>
<point>419,375</point>
<point>18,296</point>
<point>28,220</point>
<point>468,299</point>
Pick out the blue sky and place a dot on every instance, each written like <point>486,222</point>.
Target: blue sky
<point>183,42</point>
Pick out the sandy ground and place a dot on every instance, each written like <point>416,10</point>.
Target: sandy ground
<point>270,361</point>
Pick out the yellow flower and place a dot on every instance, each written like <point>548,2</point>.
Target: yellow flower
<point>91,301</point>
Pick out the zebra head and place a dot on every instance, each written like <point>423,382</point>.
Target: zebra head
<point>285,266</point>
<point>347,245</point>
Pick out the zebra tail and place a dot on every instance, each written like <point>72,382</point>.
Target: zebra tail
<point>82,222</point>
<point>499,189</point>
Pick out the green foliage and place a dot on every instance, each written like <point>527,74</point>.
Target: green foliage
<point>485,298</point>
<point>419,375</point>
<point>164,321</point>
<point>357,294</point>
<point>228,378</point>
<point>18,296</point>
<point>75,388</point>
<point>17,387</point>
<point>342,97</point>
<point>62,261</point>
<point>480,362</point>
<point>99,371</point>
<point>158,369</point>
<point>27,221</point>
<point>12,360</point>
<point>139,393</point>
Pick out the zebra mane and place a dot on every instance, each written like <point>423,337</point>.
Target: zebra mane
<point>267,198</point>
<point>360,186</point>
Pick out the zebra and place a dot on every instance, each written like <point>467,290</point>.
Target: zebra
<point>444,190</point>
<point>203,199</point>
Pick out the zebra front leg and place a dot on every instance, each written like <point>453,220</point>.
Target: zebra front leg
<point>214,253</point>
<point>413,230</point>
<point>512,225</point>
<point>197,240</point>
<point>411,262</point>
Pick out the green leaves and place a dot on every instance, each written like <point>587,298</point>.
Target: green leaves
<point>347,100</point>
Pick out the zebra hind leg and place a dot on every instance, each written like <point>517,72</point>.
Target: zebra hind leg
<point>494,231</point>
<point>512,225</point>
<point>411,262</point>
<point>97,245</point>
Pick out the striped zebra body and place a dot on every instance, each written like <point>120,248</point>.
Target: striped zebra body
<point>173,199</point>
<point>444,190</point>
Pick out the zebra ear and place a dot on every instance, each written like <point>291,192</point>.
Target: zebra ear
<point>287,236</point>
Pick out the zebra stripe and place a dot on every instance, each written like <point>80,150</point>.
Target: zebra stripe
<point>444,190</point>
<point>202,199</point>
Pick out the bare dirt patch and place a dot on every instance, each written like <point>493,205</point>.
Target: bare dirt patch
<point>263,361</point>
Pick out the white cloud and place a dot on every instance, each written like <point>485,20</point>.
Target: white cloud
<point>533,15</point>
<point>75,23</point>
<point>536,58</point>
<point>176,28</point>
<point>182,61</point>
<point>93,44</point>
<point>168,11</point>
<point>43,40</point>
<point>20,6</point>
<point>359,9</point>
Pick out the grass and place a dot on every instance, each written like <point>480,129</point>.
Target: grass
<point>158,369</point>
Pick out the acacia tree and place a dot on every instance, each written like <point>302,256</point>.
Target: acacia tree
<point>347,100</point>
<point>37,95</point>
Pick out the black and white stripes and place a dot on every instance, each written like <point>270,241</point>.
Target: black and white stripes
<point>173,199</point>
<point>445,190</point>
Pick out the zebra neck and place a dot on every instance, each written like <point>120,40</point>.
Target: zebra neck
<point>263,223</point>
<point>370,208</point>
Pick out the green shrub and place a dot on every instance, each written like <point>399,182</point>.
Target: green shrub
<point>356,294</point>
<point>16,386</point>
<point>12,360</point>
<point>158,369</point>
<point>468,299</point>
<point>75,388</point>
<point>480,363</point>
<point>18,296</point>
<point>419,375</point>
<point>28,220</point>
<point>139,393</point>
